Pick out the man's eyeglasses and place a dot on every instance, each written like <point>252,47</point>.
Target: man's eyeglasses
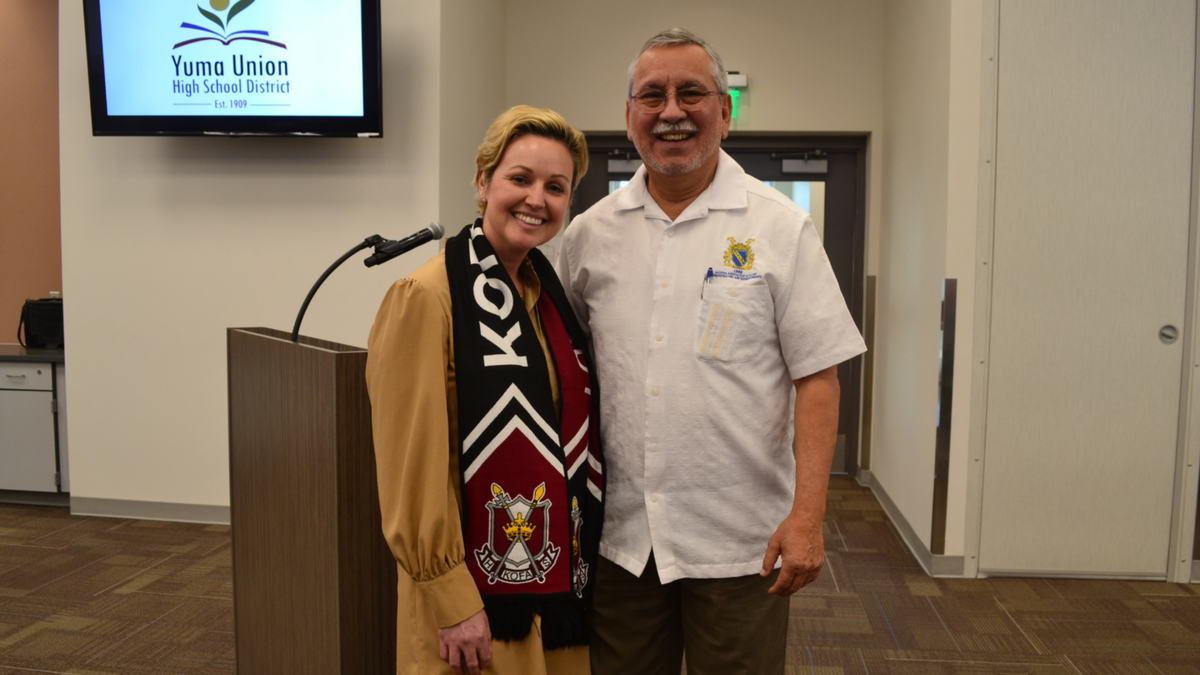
<point>654,101</point>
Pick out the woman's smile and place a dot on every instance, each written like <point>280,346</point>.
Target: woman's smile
<point>526,197</point>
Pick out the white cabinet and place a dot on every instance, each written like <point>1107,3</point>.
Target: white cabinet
<point>28,418</point>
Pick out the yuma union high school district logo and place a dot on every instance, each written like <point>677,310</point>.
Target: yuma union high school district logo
<point>226,36</point>
<point>240,65</point>
<point>513,534</point>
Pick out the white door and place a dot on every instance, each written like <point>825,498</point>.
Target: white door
<point>1093,177</point>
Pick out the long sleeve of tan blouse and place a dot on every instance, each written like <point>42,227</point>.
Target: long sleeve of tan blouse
<point>410,377</point>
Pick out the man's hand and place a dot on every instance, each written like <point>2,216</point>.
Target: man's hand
<point>798,538</point>
<point>800,543</point>
<point>470,641</point>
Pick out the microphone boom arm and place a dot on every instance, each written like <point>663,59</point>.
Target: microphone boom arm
<point>373,240</point>
<point>385,250</point>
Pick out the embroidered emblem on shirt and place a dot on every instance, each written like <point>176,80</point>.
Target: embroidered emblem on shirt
<point>518,564</point>
<point>739,256</point>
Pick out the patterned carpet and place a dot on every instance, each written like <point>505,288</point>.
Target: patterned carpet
<point>874,611</point>
<point>99,596</point>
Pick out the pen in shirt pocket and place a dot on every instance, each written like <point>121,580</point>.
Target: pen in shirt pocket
<point>707,277</point>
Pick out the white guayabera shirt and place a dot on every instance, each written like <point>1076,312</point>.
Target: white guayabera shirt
<point>699,328</point>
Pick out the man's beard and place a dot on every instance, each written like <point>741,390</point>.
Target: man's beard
<point>689,164</point>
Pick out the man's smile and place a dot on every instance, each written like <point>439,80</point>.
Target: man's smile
<point>676,132</point>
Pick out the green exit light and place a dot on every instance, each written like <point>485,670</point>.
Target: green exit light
<point>734,93</point>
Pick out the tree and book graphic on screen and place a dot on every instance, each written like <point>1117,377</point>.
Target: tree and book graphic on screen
<point>226,37</point>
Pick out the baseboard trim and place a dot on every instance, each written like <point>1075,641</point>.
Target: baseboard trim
<point>934,565</point>
<point>1196,571</point>
<point>127,508</point>
<point>1059,574</point>
<point>35,498</point>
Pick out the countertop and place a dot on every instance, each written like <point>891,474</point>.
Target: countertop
<point>15,352</point>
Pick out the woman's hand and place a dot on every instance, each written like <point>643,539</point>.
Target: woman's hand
<point>470,641</point>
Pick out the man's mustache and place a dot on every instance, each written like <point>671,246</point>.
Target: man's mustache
<point>682,126</point>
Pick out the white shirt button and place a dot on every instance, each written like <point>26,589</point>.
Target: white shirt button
<point>653,447</point>
<point>654,391</point>
<point>659,337</point>
<point>665,283</point>
<point>654,498</point>
<point>670,233</point>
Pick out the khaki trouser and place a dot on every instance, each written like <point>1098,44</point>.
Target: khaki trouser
<point>726,626</point>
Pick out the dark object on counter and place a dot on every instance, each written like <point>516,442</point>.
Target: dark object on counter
<point>43,324</point>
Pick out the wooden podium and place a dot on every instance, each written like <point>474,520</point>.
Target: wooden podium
<point>314,584</point>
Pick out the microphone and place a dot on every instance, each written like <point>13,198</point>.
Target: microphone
<point>390,249</point>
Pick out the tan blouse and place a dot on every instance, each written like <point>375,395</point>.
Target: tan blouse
<point>414,411</point>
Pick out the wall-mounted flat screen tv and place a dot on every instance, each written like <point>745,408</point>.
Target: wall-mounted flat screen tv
<point>234,67</point>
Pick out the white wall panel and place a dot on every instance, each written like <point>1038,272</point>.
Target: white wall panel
<point>1090,253</point>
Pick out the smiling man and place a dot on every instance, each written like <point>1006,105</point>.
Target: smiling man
<point>710,301</point>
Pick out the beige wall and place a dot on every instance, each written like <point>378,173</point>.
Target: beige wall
<point>184,237</point>
<point>31,266</point>
<point>962,216</point>
<point>813,65</point>
<point>168,241</point>
<point>472,95</point>
<point>933,57</point>
<point>180,238</point>
<point>912,253</point>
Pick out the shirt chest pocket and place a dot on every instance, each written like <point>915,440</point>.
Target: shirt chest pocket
<point>736,319</point>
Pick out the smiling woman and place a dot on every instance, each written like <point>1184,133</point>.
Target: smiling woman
<point>525,199</point>
<point>490,472</point>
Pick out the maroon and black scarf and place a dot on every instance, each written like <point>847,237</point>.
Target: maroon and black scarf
<point>532,482</point>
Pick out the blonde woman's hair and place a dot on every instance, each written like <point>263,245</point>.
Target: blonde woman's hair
<point>520,121</point>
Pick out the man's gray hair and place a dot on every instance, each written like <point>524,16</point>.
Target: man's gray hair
<point>678,37</point>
